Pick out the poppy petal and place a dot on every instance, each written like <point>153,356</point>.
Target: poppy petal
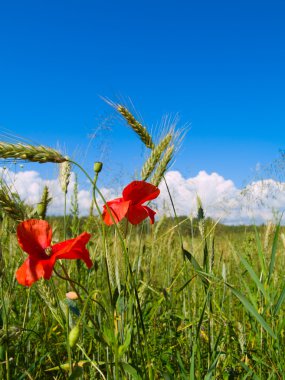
<point>136,214</point>
<point>32,270</point>
<point>140,191</point>
<point>34,236</point>
<point>150,213</point>
<point>73,249</point>
<point>118,208</point>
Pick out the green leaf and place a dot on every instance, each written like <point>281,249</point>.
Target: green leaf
<point>280,301</point>
<point>253,276</point>
<point>131,371</point>
<point>196,266</point>
<point>123,348</point>
<point>192,366</point>
<point>108,336</point>
<point>250,308</point>
<point>249,371</point>
<point>273,252</point>
<point>212,368</point>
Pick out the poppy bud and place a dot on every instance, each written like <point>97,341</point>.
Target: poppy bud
<point>74,336</point>
<point>72,295</point>
<point>98,167</point>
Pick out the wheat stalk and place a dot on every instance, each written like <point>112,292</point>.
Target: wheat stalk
<point>162,166</point>
<point>136,126</point>
<point>32,153</point>
<point>154,157</point>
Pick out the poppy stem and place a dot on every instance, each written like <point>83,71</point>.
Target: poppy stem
<point>72,282</point>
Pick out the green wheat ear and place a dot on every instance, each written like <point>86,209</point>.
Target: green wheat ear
<point>155,156</point>
<point>136,126</point>
<point>11,204</point>
<point>31,153</point>
<point>43,205</point>
<point>162,166</point>
<point>201,217</point>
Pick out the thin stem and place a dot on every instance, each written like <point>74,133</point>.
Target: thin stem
<point>26,308</point>
<point>72,282</point>
<point>64,216</point>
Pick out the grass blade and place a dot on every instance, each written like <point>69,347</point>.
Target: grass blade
<point>273,252</point>
<point>254,276</point>
<point>250,308</point>
<point>280,301</point>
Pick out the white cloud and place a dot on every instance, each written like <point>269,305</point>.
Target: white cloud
<point>220,197</point>
<point>29,185</point>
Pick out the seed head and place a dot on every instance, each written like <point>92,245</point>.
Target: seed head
<point>64,175</point>
<point>31,153</point>
<point>74,336</point>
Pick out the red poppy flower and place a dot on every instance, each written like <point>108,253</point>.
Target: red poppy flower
<point>131,204</point>
<point>34,237</point>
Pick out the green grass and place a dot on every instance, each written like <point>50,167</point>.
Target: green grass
<point>149,312</point>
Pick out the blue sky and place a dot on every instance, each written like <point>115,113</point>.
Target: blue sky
<point>219,64</point>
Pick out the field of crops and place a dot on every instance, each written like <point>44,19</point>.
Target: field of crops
<point>182,298</point>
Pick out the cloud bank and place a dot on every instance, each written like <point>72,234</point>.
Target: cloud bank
<point>258,202</point>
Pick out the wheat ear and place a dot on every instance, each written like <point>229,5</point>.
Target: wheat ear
<point>11,204</point>
<point>43,205</point>
<point>64,175</point>
<point>136,126</point>
<point>154,157</point>
<point>162,166</point>
<point>32,153</point>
